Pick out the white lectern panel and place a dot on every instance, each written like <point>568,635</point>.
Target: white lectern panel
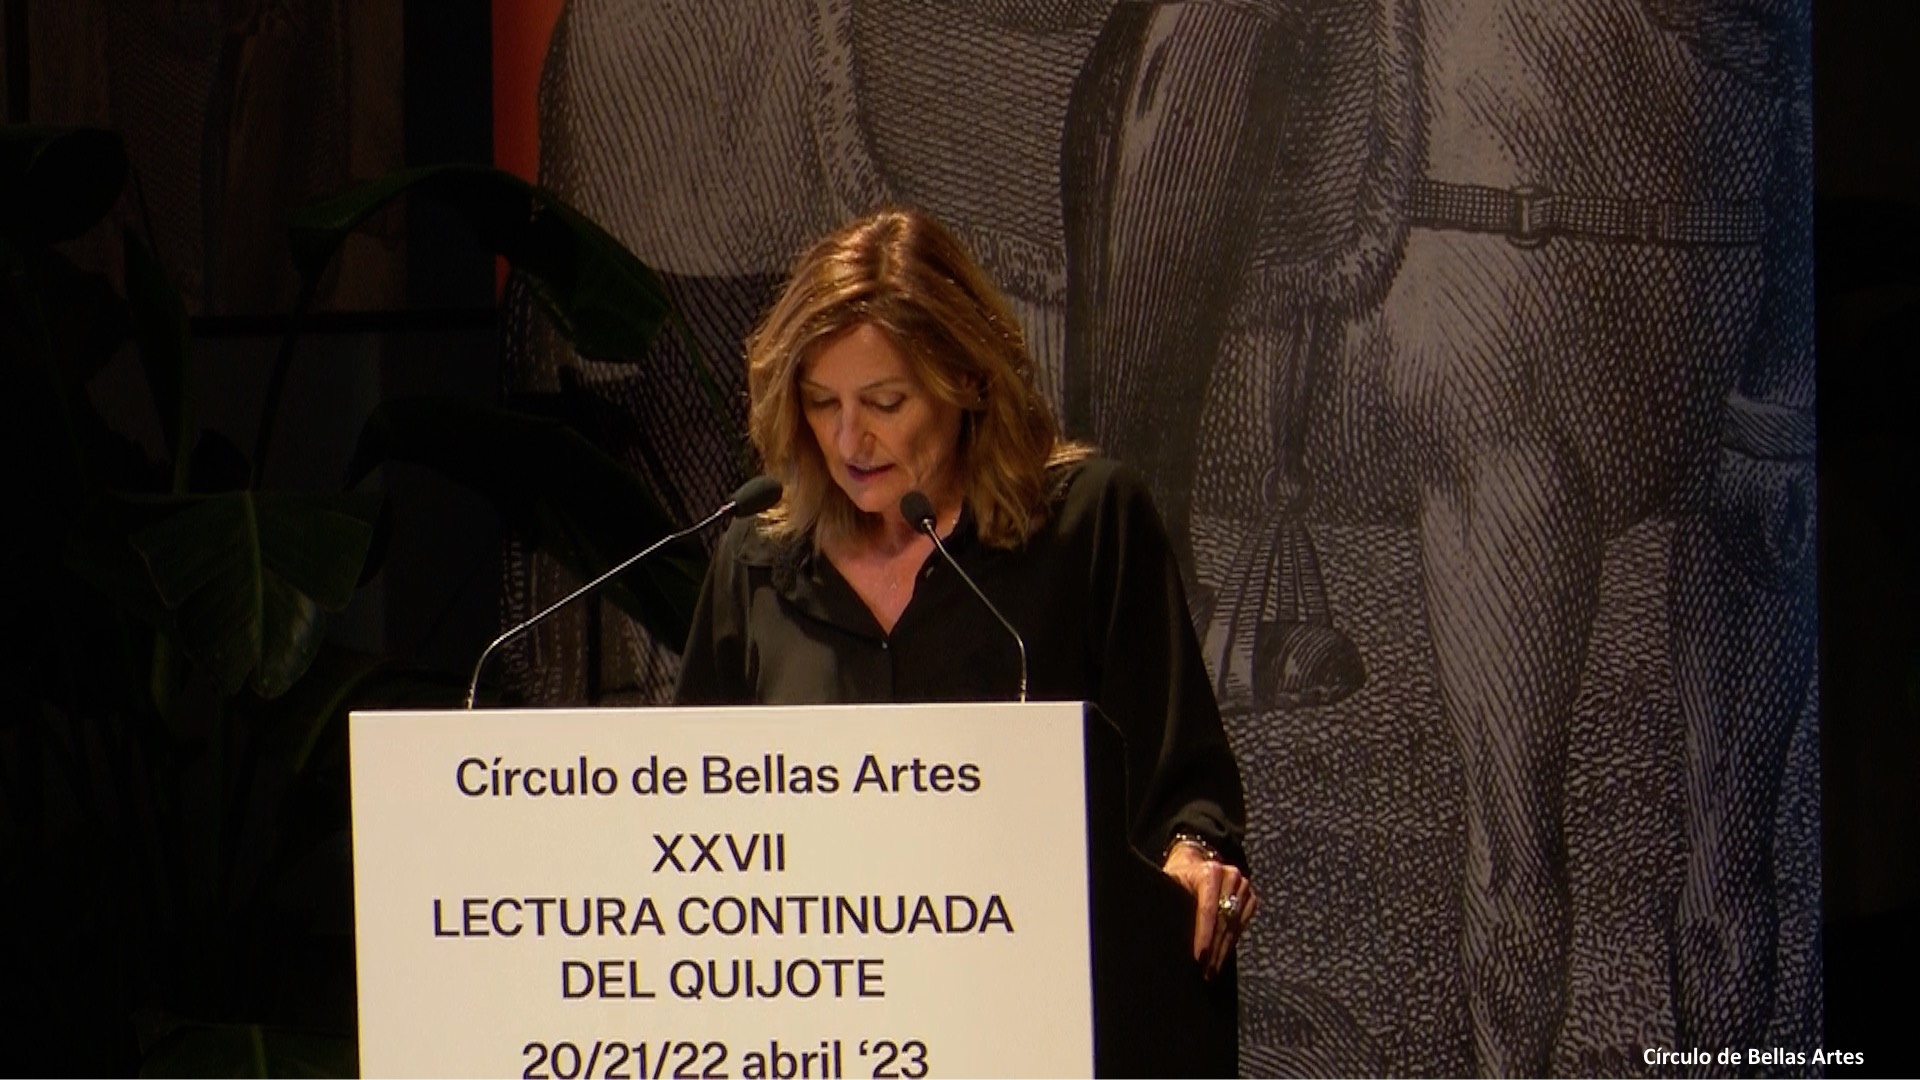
<point>873,891</point>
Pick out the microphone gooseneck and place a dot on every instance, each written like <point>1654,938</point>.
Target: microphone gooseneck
<point>917,509</point>
<point>749,499</point>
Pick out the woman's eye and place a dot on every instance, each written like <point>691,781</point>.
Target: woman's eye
<point>818,404</point>
<point>888,404</point>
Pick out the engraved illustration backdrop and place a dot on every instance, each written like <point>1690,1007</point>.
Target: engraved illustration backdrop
<point>1467,345</point>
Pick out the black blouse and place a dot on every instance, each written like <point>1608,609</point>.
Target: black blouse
<point>1095,593</point>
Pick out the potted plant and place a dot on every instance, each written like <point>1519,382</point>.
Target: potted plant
<point>173,800</point>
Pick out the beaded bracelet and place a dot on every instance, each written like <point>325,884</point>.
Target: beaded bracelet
<point>1207,850</point>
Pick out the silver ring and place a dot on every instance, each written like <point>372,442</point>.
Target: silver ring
<point>1230,906</point>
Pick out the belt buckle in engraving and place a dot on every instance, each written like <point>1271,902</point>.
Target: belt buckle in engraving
<point>1532,223</point>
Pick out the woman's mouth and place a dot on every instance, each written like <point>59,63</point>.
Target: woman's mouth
<point>864,473</point>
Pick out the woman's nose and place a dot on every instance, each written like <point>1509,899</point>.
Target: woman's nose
<point>852,434</point>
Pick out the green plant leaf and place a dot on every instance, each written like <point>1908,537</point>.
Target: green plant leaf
<point>607,302</point>
<point>292,626</point>
<point>294,723</point>
<point>576,502</point>
<point>98,552</point>
<point>246,578</point>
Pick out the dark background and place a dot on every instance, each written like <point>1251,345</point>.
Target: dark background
<point>1867,192</point>
<point>437,603</point>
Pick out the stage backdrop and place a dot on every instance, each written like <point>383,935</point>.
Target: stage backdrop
<point>232,114</point>
<point>1467,346</point>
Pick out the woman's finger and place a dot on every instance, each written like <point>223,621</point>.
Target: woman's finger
<point>1206,895</point>
<point>1226,932</point>
<point>1235,909</point>
<point>1225,912</point>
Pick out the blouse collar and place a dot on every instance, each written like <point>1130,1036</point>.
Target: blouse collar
<point>809,581</point>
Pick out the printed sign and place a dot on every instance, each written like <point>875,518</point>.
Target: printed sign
<point>777,893</point>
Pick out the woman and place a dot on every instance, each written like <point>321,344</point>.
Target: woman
<point>890,365</point>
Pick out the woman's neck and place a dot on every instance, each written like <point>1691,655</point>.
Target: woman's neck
<point>892,533</point>
<point>889,534</point>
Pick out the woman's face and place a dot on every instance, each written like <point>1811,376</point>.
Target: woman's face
<point>881,431</point>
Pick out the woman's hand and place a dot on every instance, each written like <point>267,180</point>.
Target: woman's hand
<point>1224,900</point>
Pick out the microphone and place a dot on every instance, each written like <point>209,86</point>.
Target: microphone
<point>918,510</point>
<point>751,498</point>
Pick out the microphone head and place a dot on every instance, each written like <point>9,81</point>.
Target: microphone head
<point>917,509</point>
<point>757,494</point>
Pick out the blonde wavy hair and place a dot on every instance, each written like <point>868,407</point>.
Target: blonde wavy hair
<point>902,272</point>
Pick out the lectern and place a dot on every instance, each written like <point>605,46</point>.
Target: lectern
<point>902,891</point>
